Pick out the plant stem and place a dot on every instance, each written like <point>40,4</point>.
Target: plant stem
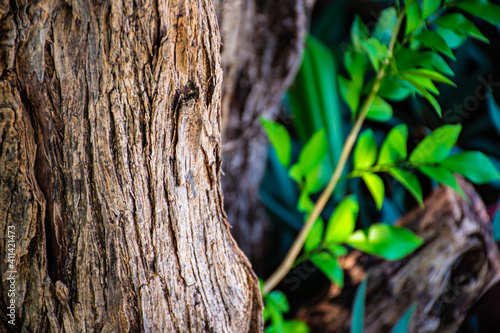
<point>292,254</point>
<point>297,245</point>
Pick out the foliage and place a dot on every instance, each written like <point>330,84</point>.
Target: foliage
<point>382,67</point>
<point>276,305</point>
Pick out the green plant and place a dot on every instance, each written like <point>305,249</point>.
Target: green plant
<point>276,304</point>
<point>385,65</point>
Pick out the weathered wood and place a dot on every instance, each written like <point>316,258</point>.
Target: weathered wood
<point>262,51</point>
<point>110,170</point>
<point>457,264</point>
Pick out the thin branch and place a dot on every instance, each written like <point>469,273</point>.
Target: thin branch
<point>297,245</point>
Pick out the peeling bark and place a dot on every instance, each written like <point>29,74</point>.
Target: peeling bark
<point>262,48</point>
<point>110,170</point>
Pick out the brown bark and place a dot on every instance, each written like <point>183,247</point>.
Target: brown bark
<point>110,170</point>
<point>457,264</point>
<point>262,47</point>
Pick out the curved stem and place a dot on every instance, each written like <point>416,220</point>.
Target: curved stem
<point>297,245</point>
<point>294,251</point>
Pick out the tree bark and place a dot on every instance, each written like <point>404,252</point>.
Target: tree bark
<point>457,264</point>
<point>262,51</point>
<point>110,170</point>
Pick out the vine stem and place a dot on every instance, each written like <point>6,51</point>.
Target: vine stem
<point>297,245</point>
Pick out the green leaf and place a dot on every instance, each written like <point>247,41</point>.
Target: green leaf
<point>385,25</point>
<point>429,7</point>
<point>355,63</point>
<point>304,97</point>
<point>386,241</point>
<point>376,51</point>
<point>295,326</point>
<point>314,101</point>
<point>413,17</point>
<point>425,93</point>
<point>358,310</point>
<point>436,62</point>
<point>280,140</point>
<point>403,324</point>
<point>434,40</point>
<point>410,182</point>
<point>330,266</point>
<point>358,32</point>
<point>350,92</point>
<point>407,58</point>
<point>436,146</point>
<point>427,73</point>
<point>419,80</point>
<point>473,165</point>
<point>315,179</point>
<point>278,300</point>
<point>453,38</point>
<point>394,146</point>
<point>393,90</point>
<point>382,50</point>
<point>314,151</point>
<point>376,187</point>
<point>482,9</point>
<point>444,176</point>
<point>343,220</point>
<point>315,235</point>
<point>275,328</point>
<point>305,204</point>
<point>266,313</point>
<point>310,156</point>
<point>329,114</point>
<point>365,152</point>
<point>296,173</point>
<point>336,250</point>
<point>459,23</point>
<point>277,320</point>
<point>380,110</point>
<point>372,54</point>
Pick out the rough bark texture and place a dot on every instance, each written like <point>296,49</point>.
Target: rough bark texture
<point>457,264</point>
<point>109,170</point>
<point>262,47</point>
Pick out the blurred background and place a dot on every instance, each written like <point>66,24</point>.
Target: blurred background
<point>313,103</point>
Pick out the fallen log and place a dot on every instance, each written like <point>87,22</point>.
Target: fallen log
<point>445,278</point>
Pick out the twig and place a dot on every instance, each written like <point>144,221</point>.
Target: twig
<point>297,245</point>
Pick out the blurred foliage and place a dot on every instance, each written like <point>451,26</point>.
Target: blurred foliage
<point>321,105</point>
<point>276,304</point>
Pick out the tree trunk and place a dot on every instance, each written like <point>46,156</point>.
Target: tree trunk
<point>457,264</point>
<point>109,171</point>
<point>262,51</point>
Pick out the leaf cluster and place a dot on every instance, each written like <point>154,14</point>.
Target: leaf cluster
<point>382,66</point>
<point>276,304</point>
